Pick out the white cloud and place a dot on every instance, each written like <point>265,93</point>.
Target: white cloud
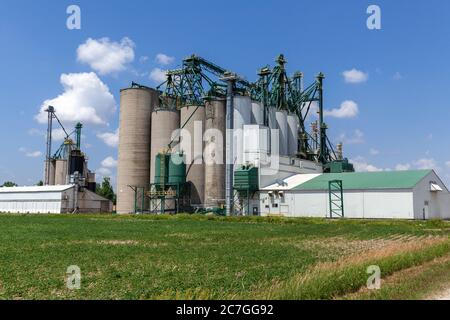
<point>34,154</point>
<point>104,172</point>
<point>447,164</point>
<point>36,132</point>
<point>313,110</point>
<point>403,167</point>
<point>58,134</point>
<point>158,75</point>
<point>426,163</point>
<point>110,138</point>
<point>30,154</point>
<point>143,59</point>
<point>105,56</point>
<point>85,99</point>
<point>421,164</point>
<point>356,138</point>
<point>374,152</point>
<point>348,109</point>
<point>355,76</point>
<point>164,59</point>
<point>361,165</point>
<point>397,76</point>
<point>109,163</point>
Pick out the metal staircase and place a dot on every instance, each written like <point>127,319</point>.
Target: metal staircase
<point>336,199</point>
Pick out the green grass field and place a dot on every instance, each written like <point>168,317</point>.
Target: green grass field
<point>201,257</point>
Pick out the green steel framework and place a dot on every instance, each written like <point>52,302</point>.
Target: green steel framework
<point>198,80</point>
<point>155,200</point>
<point>336,199</point>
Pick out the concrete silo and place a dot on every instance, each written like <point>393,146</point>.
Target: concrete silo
<point>136,105</point>
<point>215,129</point>
<point>293,126</point>
<point>272,118</point>
<point>191,144</point>
<point>164,123</point>
<point>257,113</point>
<point>49,179</point>
<point>281,118</point>
<point>242,117</point>
<point>61,172</point>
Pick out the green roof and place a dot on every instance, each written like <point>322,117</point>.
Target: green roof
<point>367,180</point>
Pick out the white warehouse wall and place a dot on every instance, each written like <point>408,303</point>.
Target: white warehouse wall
<point>357,204</point>
<point>32,200</point>
<point>438,202</point>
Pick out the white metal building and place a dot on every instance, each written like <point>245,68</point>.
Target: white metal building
<point>51,199</point>
<point>374,195</point>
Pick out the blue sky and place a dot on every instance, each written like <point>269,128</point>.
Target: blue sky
<point>403,105</point>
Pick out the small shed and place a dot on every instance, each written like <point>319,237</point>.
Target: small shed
<point>415,194</point>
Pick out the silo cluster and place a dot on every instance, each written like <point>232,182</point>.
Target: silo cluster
<point>71,162</point>
<point>196,134</point>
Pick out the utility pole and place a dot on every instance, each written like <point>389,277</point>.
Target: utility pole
<point>51,113</point>
<point>229,178</point>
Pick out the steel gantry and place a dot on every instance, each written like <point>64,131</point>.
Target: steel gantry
<point>198,80</point>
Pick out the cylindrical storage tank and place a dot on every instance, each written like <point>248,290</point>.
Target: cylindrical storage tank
<point>272,118</point>
<point>51,181</point>
<point>61,172</point>
<point>215,134</point>
<point>162,168</point>
<point>136,105</point>
<point>274,143</point>
<point>257,113</point>
<point>281,116</point>
<point>164,123</point>
<point>177,168</point>
<point>191,145</point>
<point>242,117</point>
<point>293,125</point>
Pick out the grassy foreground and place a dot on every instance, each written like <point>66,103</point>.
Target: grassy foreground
<point>201,257</point>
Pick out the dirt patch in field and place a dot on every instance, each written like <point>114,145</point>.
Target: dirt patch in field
<point>335,247</point>
<point>109,242</point>
<point>445,295</point>
<point>386,249</point>
<point>186,236</point>
<point>404,275</point>
<point>119,242</point>
<point>373,250</point>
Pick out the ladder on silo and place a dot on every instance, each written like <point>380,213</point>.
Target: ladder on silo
<point>336,199</point>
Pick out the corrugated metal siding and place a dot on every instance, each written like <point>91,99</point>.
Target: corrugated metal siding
<point>21,200</point>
